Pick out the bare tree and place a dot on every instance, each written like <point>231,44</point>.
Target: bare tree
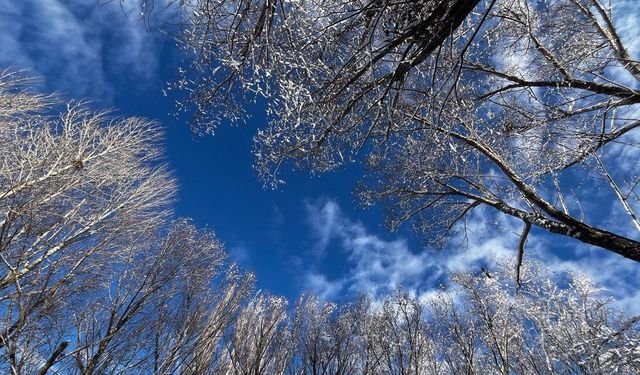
<point>95,279</point>
<point>165,309</point>
<point>329,338</point>
<point>542,329</point>
<point>341,41</point>
<point>261,342</point>
<point>73,189</point>
<point>480,323</point>
<point>401,338</point>
<point>524,106</point>
<point>190,328</point>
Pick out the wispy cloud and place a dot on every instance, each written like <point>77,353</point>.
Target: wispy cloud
<point>78,47</point>
<point>324,220</point>
<point>619,276</point>
<point>377,266</point>
<point>323,288</point>
<point>626,18</point>
<point>240,254</point>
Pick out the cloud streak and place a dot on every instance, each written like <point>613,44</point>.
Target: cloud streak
<point>377,266</point>
<point>78,47</point>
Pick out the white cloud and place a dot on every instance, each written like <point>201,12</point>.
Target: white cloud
<point>78,47</point>
<point>620,277</point>
<point>240,254</point>
<point>377,266</point>
<point>324,221</point>
<point>626,18</point>
<point>321,287</point>
<point>380,266</point>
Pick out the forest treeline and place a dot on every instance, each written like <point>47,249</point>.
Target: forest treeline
<point>527,108</point>
<point>97,278</point>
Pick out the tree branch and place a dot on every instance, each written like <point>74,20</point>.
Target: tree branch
<point>53,358</point>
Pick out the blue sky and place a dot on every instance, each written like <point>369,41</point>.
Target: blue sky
<point>308,235</point>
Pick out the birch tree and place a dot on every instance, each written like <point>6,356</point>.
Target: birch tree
<point>522,106</point>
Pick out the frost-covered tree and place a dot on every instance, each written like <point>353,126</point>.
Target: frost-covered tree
<point>74,188</point>
<point>549,326</point>
<point>94,279</point>
<point>166,307</point>
<point>402,337</point>
<point>481,323</point>
<point>260,343</point>
<point>328,337</point>
<point>528,107</point>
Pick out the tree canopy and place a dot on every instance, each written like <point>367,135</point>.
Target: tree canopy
<point>97,277</point>
<point>529,107</point>
<point>526,107</point>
